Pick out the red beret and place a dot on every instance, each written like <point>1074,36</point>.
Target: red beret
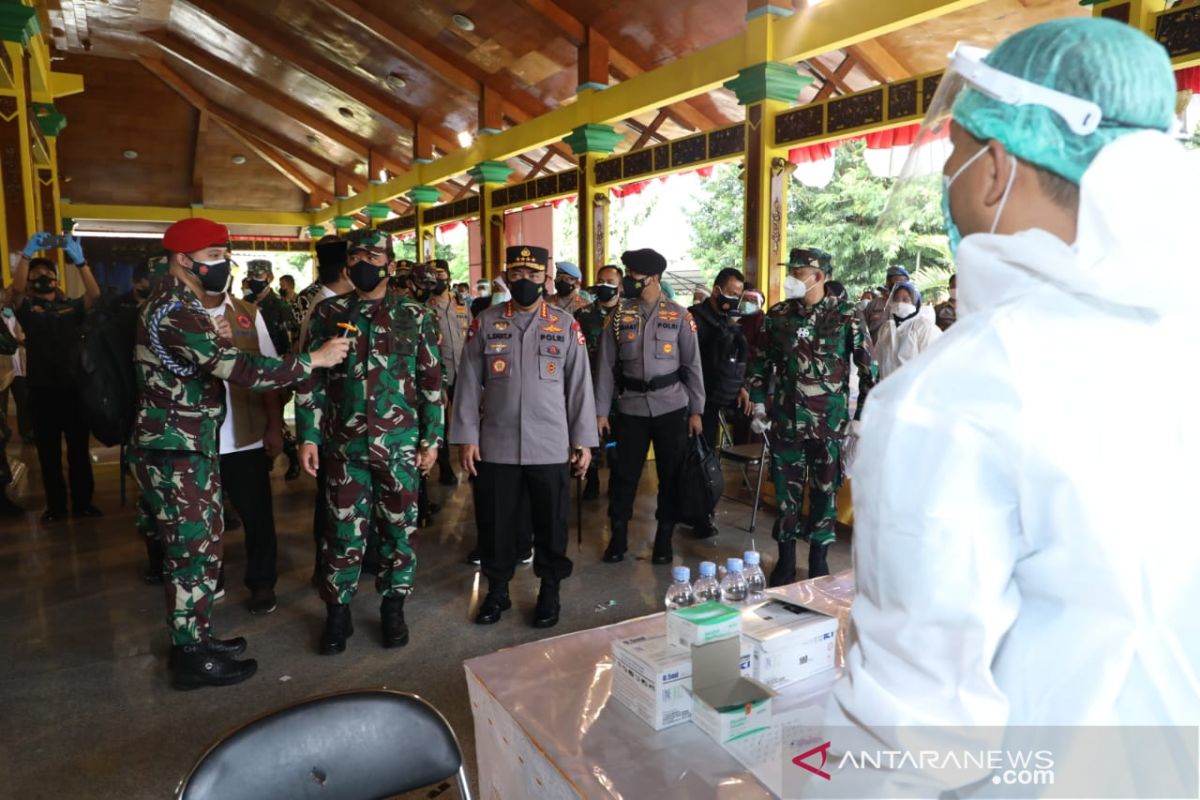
<point>196,233</point>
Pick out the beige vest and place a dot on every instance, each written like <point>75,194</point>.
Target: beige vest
<point>247,407</point>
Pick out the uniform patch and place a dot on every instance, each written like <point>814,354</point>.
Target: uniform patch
<point>691,322</point>
<point>474,329</point>
<point>500,325</point>
<point>668,347</point>
<point>244,321</point>
<point>552,350</point>
<point>499,366</point>
<point>669,316</point>
<point>551,367</point>
<point>553,329</point>
<point>631,336</point>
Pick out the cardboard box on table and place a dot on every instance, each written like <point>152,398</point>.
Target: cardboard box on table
<point>788,643</point>
<point>701,624</point>
<point>726,705</point>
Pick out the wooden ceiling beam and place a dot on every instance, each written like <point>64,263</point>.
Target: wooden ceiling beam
<point>197,172</point>
<point>878,59</point>
<point>651,130</point>
<point>593,59</point>
<point>539,166</point>
<point>836,77</point>
<point>279,162</point>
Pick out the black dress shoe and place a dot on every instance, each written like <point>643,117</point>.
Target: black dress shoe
<point>663,554</point>
<point>227,648</point>
<point>391,615</point>
<point>197,665</point>
<point>545,615</point>
<point>54,515</point>
<point>338,628</point>
<point>615,552</point>
<point>817,565</point>
<point>495,603</point>
<point>785,568</point>
<point>87,511</point>
<point>262,601</point>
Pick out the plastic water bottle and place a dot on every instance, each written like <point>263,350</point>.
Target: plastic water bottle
<point>733,585</point>
<point>679,593</point>
<point>706,587</point>
<point>756,581</point>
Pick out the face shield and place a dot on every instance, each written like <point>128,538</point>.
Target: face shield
<point>922,178</point>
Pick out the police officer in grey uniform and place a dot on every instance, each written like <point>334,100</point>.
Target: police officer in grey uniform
<point>650,361</point>
<point>524,416</point>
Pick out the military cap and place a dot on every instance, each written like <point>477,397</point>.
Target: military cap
<point>810,257</point>
<point>568,268</point>
<point>258,266</point>
<point>370,239</point>
<point>525,255</point>
<point>644,262</point>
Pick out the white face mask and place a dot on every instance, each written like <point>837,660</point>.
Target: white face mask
<point>903,310</point>
<point>794,288</point>
<point>953,294</point>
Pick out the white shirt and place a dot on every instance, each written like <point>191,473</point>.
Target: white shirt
<point>266,348</point>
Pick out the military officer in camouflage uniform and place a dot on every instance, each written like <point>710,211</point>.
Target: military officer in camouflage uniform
<point>181,358</point>
<point>808,344</point>
<point>378,421</point>
<point>592,319</point>
<point>524,416</point>
<point>284,328</point>
<point>649,364</point>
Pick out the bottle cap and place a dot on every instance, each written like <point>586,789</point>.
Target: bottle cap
<point>707,569</point>
<point>681,574</point>
<point>751,558</point>
<point>733,565</point>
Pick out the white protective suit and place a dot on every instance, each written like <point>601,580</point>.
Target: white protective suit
<point>1026,544</point>
<point>900,343</point>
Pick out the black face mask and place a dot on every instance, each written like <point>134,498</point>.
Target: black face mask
<point>214,276</point>
<point>42,284</point>
<point>366,276</point>
<point>439,287</point>
<point>631,288</point>
<point>604,292</point>
<point>564,288</point>
<point>257,286</point>
<point>726,303</point>
<point>525,292</point>
<point>141,294</point>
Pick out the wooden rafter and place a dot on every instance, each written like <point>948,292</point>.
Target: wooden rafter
<point>537,167</point>
<point>879,62</point>
<point>279,161</point>
<point>197,172</point>
<point>650,131</point>
<point>833,79</point>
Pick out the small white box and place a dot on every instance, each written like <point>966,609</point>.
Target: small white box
<point>652,682</point>
<point>725,705</point>
<point>788,643</point>
<point>701,624</point>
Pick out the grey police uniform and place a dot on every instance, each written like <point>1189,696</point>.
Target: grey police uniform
<point>525,398</point>
<point>658,383</point>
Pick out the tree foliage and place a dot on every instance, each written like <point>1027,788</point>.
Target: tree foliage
<point>842,218</point>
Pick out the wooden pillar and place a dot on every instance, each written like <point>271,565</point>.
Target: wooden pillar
<point>593,62</point>
<point>422,197</point>
<point>422,145</point>
<point>491,108</point>
<point>765,90</point>
<point>489,176</point>
<point>591,143</point>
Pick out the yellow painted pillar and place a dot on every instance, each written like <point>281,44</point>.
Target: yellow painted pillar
<point>423,197</point>
<point>591,143</point>
<point>50,123</point>
<point>489,176</point>
<point>765,89</point>
<point>18,23</point>
<point>1140,14</point>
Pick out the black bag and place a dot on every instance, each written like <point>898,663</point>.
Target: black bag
<point>700,483</point>
<point>104,366</point>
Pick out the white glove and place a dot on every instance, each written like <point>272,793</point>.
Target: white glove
<point>759,423</point>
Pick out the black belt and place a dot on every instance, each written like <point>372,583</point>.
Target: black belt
<point>652,385</point>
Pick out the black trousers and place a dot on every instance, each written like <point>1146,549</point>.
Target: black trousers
<point>669,434</point>
<point>246,479</point>
<point>58,414</point>
<point>20,394</point>
<point>712,423</point>
<point>499,490</point>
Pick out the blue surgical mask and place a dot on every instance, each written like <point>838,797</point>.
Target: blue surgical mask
<point>952,231</point>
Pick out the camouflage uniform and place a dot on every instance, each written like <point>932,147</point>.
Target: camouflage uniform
<point>180,363</point>
<point>369,416</point>
<point>306,298</point>
<point>808,349</point>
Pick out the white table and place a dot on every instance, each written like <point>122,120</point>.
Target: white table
<point>545,726</point>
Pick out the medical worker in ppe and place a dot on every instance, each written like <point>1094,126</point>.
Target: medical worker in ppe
<point>906,333</point>
<point>1026,545</point>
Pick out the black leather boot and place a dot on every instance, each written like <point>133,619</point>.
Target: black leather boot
<point>546,613</point>
<point>663,554</point>
<point>495,603</point>
<point>338,628</point>
<point>155,553</point>
<point>817,566</point>
<point>391,615</point>
<point>197,665</point>
<point>618,543</point>
<point>785,568</point>
<point>227,648</point>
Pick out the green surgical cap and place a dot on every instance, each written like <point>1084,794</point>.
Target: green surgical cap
<point>1119,68</point>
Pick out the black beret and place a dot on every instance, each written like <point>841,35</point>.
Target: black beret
<point>524,255</point>
<point>644,261</point>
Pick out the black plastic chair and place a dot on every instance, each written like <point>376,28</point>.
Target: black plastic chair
<point>744,456</point>
<point>355,745</point>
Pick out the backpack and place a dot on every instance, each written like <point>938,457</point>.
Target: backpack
<point>104,366</point>
<point>700,482</point>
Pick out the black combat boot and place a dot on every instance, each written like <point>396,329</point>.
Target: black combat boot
<point>817,567</point>
<point>197,665</point>
<point>338,628</point>
<point>785,568</point>
<point>495,603</point>
<point>618,543</point>
<point>155,553</point>
<point>226,648</point>
<point>546,613</point>
<point>663,554</point>
<point>391,614</point>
